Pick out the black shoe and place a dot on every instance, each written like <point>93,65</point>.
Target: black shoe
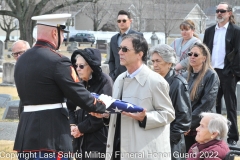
<point>232,143</point>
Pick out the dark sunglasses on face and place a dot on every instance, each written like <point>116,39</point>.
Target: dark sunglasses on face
<point>194,54</point>
<point>17,53</point>
<point>119,20</point>
<point>221,11</point>
<point>81,66</point>
<point>124,49</point>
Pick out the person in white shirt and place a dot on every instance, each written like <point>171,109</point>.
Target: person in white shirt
<point>223,40</point>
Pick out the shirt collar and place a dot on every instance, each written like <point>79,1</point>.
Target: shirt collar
<point>125,32</point>
<point>135,72</point>
<point>225,26</point>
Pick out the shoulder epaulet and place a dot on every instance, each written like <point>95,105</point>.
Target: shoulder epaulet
<point>56,52</point>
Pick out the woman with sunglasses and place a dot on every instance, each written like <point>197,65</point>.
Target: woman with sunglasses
<point>90,133</point>
<point>164,59</point>
<point>203,83</point>
<point>183,44</point>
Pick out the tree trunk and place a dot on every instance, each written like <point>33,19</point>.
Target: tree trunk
<point>7,36</point>
<point>26,30</point>
<point>95,25</point>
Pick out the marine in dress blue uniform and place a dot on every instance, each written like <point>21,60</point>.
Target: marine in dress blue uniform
<point>44,78</point>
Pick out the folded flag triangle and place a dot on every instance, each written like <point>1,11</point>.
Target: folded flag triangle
<point>117,106</point>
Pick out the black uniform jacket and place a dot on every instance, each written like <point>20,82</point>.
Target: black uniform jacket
<point>179,94</point>
<point>206,95</point>
<point>114,61</point>
<point>95,132</point>
<point>43,76</point>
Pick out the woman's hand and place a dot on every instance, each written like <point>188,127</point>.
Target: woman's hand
<point>138,116</point>
<point>75,132</point>
<point>177,68</point>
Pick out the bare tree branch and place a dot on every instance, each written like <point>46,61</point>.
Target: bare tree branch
<point>96,12</point>
<point>67,3</point>
<point>39,6</point>
<point>25,4</point>
<point>23,10</point>
<point>7,26</point>
<point>8,13</point>
<point>11,4</point>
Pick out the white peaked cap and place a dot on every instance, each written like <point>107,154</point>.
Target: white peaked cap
<point>54,20</point>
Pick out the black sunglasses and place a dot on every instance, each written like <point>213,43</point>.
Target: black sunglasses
<point>15,54</point>
<point>194,54</point>
<point>124,49</point>
<point>81,66</point>
<point>119,20</point>
<point>221,11</point>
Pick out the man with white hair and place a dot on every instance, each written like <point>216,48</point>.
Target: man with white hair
<point>18,48</point>
<point>210,138</point>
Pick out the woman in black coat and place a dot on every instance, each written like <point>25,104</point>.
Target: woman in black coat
<point>164,58</point>
<point>90,133</point>
<point>203,84</point>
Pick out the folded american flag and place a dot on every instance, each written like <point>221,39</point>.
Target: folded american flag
<point>118,106</point>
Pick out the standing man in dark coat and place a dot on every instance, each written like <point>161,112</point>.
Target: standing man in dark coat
<point>44,78</point>
<point>124,21</point>
<point>223,39</point>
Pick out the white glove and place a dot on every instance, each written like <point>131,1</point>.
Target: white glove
<point>107,100</point>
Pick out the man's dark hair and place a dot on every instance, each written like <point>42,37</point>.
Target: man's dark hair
<point>229,9</point>
<point>139,44</point>
<point>229,6</point>
<point>122,12</point>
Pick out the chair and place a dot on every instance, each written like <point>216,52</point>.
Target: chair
<point>233,154</point>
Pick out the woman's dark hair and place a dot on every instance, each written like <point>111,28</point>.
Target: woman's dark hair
<point>139,44</point>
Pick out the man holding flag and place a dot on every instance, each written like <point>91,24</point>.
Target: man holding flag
<point>143,135</point>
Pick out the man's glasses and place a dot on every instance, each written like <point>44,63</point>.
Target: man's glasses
<point>124,49</point>
<point>17,53</point>
<point>194,54</point>
<point>119,20</point>
<point>81,66</point>
<point>221,11</point>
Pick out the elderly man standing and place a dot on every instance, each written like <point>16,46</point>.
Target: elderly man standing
<point>18,48</point>
<point>124,22</point>
<point>223,40</point>
<point>143,135</point>
<point>44,79</point>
